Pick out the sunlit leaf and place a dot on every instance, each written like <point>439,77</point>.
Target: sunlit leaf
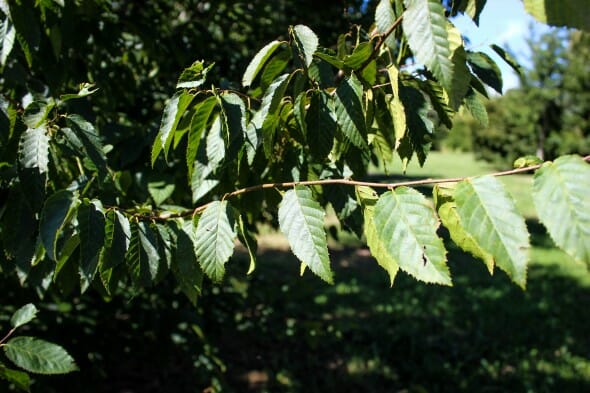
<point>258,61</point>
<point>301,219</point>
<point>561,192</point>
<point>39,356</point>
<point>34,149</point>
<point>199,122</point>
<point>384,19</point>
<point>23,315</point>
<point>193,76</point>
<point>307,42</point>
<point>560,13</point>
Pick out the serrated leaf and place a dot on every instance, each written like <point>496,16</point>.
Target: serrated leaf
<point>89,138</point>
<point>570,13</point>
<point>424,25</point>
<point>34,149</point>
<point>37,111</point>
<point>91,223</point>
<point>199,122</point>
<point>307,42</point>
<point>185,266</point>
<point>39,356</point>
<point>233,111</point>
<point>54,216</point>
<point>116,239</point>
<point>248,239</point>
<point>160,190</point>
<point>274,67</point>
<point>20,379</point>
<point>23,315</point>
<point>301,219</point>
<point>489,215</point>
<point>193,76</point>
<point>86,89</point>
<point>215,143</point>
<point>7,37</point>
<point>461,74</point>
<point>447,211</point>
<point>215,239</point>
<point>561,193</point>
<point>384,19</point>
<point>486,69</point>
<point>349,111</point>
<point>320,124</point>
<point>508,58</point>
<point>142,256</point>
<point>396,107</point>
<point>476,107</point>
<point>173,112</point>
<point>368,198</point>
<point>258,61</point>
<point>361,53</point>
<point>406,226</point>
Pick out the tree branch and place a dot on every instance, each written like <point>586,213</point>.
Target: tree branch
<point>347,182</point>
<point>380,43</point>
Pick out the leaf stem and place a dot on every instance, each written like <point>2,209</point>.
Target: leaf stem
<point>10,333</point>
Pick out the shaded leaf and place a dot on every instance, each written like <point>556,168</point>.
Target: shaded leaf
<point>215,236</point>
<point>54,216</point>
<point>476,107</point>
<point>248,239</point>
<point>37,111</point>
<point>508,58</point>
<point>91,223</point>
<point>570,13</point>
<point>93,148</point>
<point>561,193</point>
<point>193,76</point>
<point>406,227</point>
<point>489,215</point>
<point>199,122</point>
<point>39,356</point>
<point>320,121</point>
<point>142,256</point>
<point>185,266</point>
<point>486,69</point>
<point>307,42</point>
<point>20,379</point>
<point>349,111</point>
<point>301,219</point>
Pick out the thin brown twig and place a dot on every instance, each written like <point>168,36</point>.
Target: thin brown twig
<point>348,182</point>
<point>380,42</point>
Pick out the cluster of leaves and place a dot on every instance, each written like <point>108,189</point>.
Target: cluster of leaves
<point>309,120</point>
<point>30,353</point>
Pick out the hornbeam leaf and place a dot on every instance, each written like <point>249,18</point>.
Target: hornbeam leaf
<point>406,226</point>
<point>90,140</point>
<point>185,266</point>
<point>489,215</point>
<point>384,19</point>
<point>142,257</point>
<point>461,73</point>
<point>368,198</point>
<point>37,111</point>
<point>396,107</point>
<point>321,126</point>
<point>7,36</point>
<point>258,61</point>
<point>476,107</point>
<point>248,239</point>
<point>23,315</point>
<point>561,193</point>
<point>193,76</point>
<point>307,41</point>
<point>91,223</point>
<point>508,58</point>
<point>54,217</point>
<point>570,13</point>
<point>301,219</point>
<point>425,28</point>
<point>34,149</point>
<point>38,356</point>
<point>447,211</point>
<point>20,379</point>
<point>173,112</point>
<point>116,240</point>
<point>359,55</point>
<point>199,121</point>
<point>486,69</point>
<point>215,237</point>
<point>349,111</point>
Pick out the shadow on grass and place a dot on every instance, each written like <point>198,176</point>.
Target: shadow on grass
<point>274,331</point>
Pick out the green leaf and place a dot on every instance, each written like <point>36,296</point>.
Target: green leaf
<point>569,13</point>
<point>301,219</point>
<point>476,107</point>
<point>7,36</point>
<point>160,189</point>
<point>368,198</point>
<point>258,61</point>
<point>37,111</point>
<point>91,223</point>
<point>215,239</point>
<point>275,66</point>
<point>199,122</point>
<point>233,112</point>
<point>54,216</point>
<point>349,111</point>
<point>307,42</point>
<point>489,215</point>
<point>34,149</point>
<point>447,211</point>
<point>361,53</point>
<point>86,89</point>
<point>193,76</point>
<point>424,24</point>
<point>89,138</point>
<point>406,226</point>
<point>117,235</point>
<point>561,193</point>
<point>384,19</point>
<point>20,379</point>
<point>142,256</point>
<point>508,58</point>
<point>248,239</point>
<point>39,356</point>
<point>528,160</point>
<point>215,143</point>
<point>173,112</point>
<point>185,266</point>
<point>486,69</point>
<point>461,74</point>
<point>320,121</point>
<point>23,315</point>
<point>396,107</point>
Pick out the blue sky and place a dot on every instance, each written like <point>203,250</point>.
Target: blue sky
<point>505,23</point>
